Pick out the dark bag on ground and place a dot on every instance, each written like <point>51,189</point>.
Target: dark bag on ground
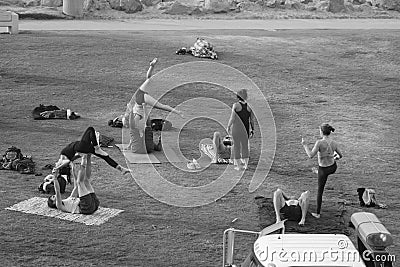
<point>117,122</point>
<point>43,112</point>
<point>47,187</point>
<point>367,197</point>
<point>105,141</point>
<point>161,125</point>
<point>42,108</point>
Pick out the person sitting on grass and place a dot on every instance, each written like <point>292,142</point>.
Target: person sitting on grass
<point>88,144</point>
<point>143,144</point>
<point>83,199</point>
<point>291,208</point>
<point>222,149</point>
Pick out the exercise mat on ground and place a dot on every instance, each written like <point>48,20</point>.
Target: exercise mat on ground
<point>334,219</point>
<point>153,157</point>
<point>38,206</point>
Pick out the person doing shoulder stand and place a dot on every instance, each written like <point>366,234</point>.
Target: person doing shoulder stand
<point>328,152</point>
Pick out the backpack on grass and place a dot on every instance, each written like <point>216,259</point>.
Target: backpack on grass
<point>14,160</point>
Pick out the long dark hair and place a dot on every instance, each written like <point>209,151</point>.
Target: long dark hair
<point>51,203</point>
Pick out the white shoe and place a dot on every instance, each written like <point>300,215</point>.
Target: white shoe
<point>316,215</point>
<point>196,164</point>
<point>190,166</point>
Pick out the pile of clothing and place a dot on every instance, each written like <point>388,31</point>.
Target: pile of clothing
<point>201,48</point>
<point>46,112</point>
<point>14,160</point>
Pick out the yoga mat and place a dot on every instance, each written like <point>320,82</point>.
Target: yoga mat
<point>38,206</point>
<point>332,221</point>
<point>154,157</point>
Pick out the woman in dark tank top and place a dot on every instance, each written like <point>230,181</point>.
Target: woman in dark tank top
<point>239,126</point>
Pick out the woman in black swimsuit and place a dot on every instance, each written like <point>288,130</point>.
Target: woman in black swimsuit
<point>240,121</point>
<point>328,152</point>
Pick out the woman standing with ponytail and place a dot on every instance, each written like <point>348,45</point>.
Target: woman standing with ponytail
<point>328,152</point>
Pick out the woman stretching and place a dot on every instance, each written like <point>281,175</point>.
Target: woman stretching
<point>325,148</point>
<point>240,121</point>
<point>87,145</point>
<point>136,108</point>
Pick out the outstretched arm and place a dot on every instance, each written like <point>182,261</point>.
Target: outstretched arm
<point>59,203</point>
<point>74,192</point>
<point>251,123</point>
<point>310,153</point>
<point>231,119</point>
<point>88,166</point>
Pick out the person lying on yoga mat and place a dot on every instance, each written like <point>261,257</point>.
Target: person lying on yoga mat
<point>83,199</point>
<point>87,144</point>
<point>136,108</point>
<point>291,208</point>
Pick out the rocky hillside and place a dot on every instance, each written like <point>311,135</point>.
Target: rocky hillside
<point>267,9</point>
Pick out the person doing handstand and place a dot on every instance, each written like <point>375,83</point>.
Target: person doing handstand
<point>83,199</point>
<point>136,108</point>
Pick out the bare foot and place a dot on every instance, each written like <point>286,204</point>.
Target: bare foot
<point>99,151</point>
<point>124,171</point>
<point>302,222</point>
<point>316,215</point>
<point>153,62</point>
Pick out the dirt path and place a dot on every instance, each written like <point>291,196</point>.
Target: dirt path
<point>158,24</point>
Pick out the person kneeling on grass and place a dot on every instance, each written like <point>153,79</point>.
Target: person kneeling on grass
<point>292,209</point>
<point>83,199</point>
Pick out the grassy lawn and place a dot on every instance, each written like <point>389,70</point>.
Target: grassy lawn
<point>347,78</point>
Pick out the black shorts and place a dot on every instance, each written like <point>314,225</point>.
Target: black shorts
<point>89,203</point>
<point>292,212</point>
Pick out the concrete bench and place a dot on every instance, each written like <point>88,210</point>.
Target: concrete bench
<point>10,20</point>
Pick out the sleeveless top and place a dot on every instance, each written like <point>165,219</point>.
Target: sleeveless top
<point>70,150</point>
<point>71,204</point>
<point>244,116</point>
<point>327,153</point>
